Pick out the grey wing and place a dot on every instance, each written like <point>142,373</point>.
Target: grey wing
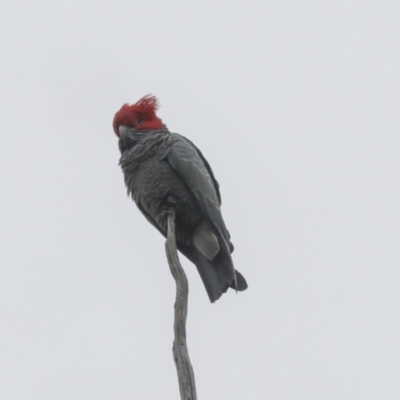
<point>210,171</point>
<point>196,173</point>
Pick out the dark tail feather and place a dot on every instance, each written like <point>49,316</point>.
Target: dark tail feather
<point>241,283</point>
<point>217,275</point>
<point>210,278</point>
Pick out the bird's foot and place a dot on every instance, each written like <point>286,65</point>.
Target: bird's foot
<point>167,212</point>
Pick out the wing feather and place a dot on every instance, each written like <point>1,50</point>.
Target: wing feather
<point>196,173</point>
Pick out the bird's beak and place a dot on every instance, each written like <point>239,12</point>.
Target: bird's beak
<point>122,130</point>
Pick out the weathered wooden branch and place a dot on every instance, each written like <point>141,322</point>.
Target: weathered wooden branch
<point>184,368</point>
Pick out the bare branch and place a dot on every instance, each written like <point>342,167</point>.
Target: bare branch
<point>184,368</point>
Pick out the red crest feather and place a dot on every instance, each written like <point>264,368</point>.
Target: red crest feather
<point>146,106</point>
<point>141,115</point>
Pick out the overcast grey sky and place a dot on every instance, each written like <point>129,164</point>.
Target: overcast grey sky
<point>296,107</point>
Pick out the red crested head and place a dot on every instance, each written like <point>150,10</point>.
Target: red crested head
<point>141,115</point>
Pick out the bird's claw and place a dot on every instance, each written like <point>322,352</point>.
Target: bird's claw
<point>167,212</point>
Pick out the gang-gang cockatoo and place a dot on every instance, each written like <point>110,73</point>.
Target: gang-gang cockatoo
<point>165,170</point>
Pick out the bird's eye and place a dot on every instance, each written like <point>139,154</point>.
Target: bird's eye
<point>139,120</point>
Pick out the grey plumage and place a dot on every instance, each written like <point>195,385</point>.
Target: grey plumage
<point>163,170</point>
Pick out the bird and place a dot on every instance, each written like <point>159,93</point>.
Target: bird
<point>163,171</point>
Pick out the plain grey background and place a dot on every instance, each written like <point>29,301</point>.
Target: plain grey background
<point>296,107</point>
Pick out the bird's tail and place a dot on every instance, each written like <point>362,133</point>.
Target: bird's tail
<point>241,283</point>
<point>217,275</point>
